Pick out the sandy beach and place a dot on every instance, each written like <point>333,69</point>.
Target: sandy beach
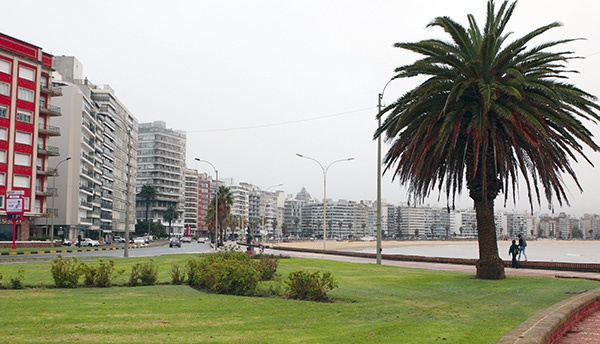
<point>537,250</point>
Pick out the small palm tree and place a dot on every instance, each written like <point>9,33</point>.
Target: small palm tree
<point>170,215</point>
<point>148,193</point>
<point>489,113</point>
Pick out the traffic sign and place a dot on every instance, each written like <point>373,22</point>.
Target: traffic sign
<point>14,205</point>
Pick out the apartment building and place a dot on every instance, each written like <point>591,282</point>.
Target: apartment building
<point>161,162</point>
<point>27,132</point>
<point>190,205</point>
<point>99,136</point>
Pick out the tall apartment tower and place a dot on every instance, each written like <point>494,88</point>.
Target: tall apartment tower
<point>161,160</point>
<point>97,195</point>
<point>190,205</point>
<point>26,133</point>
<point>203,203</point>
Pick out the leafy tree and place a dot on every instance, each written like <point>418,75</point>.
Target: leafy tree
<point>170,215</point>
<point>489,113</point>
<point>148,194</point>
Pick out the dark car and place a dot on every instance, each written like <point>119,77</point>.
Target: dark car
<point>174,242</point>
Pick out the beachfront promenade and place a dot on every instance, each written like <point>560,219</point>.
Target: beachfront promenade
<point>576,320</point>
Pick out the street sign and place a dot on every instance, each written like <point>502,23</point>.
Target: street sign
<point>15,193</point>
<point>14,205</point>
<point>14,216</point>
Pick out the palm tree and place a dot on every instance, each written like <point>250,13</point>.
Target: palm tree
<point>225,200</point>
<point>274,225</point>
<point>170,215</point>
<point>490,112</point>
<point>296,222</point>
<point>148,194</point>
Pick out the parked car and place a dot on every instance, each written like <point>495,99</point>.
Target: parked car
<point>139,241</point>
<point>119,239</point>
<point>186,239</point>
<point>67,242</point>
<point>89,242</point>
<point>202,240</point>
<point>174,242</point>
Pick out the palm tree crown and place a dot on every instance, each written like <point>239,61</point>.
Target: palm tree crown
<point>489,112</point>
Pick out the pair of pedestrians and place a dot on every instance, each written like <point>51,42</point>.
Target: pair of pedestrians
<point>516,250</point>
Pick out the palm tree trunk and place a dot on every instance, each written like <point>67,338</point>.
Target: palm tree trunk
<point>489,265</point>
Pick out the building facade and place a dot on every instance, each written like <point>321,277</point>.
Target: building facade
<point>27,132</point>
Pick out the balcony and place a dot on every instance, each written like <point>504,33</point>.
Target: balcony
<point>49,192</point>
<point>50,130</point>
<point>48,150</point>
<point>51,110</point>
<point>41,172</point>
<point>50,90</point>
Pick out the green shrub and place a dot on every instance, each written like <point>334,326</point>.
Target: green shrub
<point>17,281</point>
<point>267,267</point>
<point>304,285</point>
<point>228,272</point>
<point>143,274</point>
<point>177,275</point>
<point>66,271</point>
<point>98,276</point>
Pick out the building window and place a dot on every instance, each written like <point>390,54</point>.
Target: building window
<point>4,88</point>
<point>23,137</point>
<point>24,116</point>
<point>22,159</point>
<point>26,73</point>
<point>3,111</point>
<point>2,178</point>
<point>25,94</point>
<point>4,66</point>
<point>21,181</point>
<point>4,134</point>
<point>3,156</point>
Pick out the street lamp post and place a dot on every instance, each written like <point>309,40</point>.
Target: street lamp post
<point>216,201</point>
<point>54,173</point>
<point>264,205</point>
<point>324,168</point>
<point>379,98</point>
<point>124,126</point>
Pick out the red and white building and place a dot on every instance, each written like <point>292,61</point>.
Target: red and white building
<point>25,132</point>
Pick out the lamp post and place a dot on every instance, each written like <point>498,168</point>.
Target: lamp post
<point>324,168</point>
<point>264,205</point>
<point>54,173</point>
<point>379,98</point>
<point>216,201</point>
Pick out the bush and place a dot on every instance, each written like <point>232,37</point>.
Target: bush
<point>227,272</point>
<point>177,275</point>
<point>66,272</point>
<point>98,276</point>
<point>143,274</point>
<point>304,285</point>
<point>17,281</point>
<point>267,267</point>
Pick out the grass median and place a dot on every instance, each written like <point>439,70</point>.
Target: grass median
<point>374,303</point>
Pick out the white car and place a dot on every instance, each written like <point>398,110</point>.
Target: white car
<point>139,241</point>
<point>89,242</point>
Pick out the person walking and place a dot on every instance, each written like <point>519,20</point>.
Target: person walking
<point>513,251</point>
<point>522,245</point>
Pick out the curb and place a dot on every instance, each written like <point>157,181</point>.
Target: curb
<point>552,323</point>
<point>69,251</point>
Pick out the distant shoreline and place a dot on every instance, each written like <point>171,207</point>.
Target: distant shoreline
<point>357,245</point>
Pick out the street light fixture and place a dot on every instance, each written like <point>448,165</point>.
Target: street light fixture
<point>264,205</point>
<point>216,201</point>
<point>324,168</point>
<point>380,97</point>
<point>54,173</point>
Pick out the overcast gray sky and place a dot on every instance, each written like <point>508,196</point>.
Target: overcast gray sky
<point>255,82</point>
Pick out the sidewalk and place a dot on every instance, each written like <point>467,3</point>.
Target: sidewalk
<point>573,321</point>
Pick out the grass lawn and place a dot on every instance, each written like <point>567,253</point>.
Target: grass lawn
<point>373,304</point>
